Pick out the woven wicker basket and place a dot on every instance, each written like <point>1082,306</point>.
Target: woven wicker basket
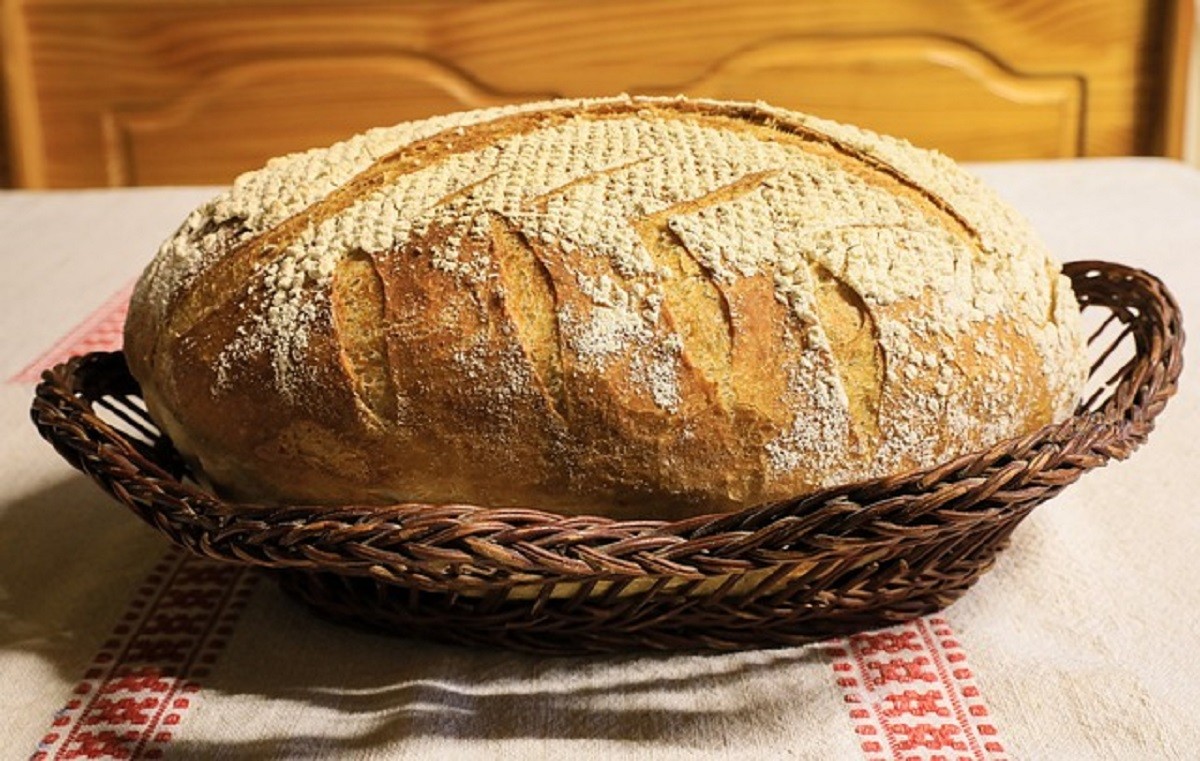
<point>856,557</point>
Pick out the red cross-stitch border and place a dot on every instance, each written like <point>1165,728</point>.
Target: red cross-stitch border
<point>147,674</point>
<point>912,696</point>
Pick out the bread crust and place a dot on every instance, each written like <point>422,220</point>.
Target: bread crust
<point>637,307</point>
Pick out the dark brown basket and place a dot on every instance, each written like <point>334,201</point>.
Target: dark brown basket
<point>856,557</point>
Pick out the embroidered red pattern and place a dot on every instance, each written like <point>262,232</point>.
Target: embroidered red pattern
<point>147,674</point>
<point>912,696</point>
<point>101,331</point>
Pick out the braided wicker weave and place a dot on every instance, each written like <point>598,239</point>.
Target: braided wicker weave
<point>855,557</point>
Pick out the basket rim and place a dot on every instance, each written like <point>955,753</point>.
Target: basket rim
<point>439,546</point>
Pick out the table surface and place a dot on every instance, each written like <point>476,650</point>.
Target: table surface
<point>1081,643</point>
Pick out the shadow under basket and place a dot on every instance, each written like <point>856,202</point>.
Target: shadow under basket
<point>855,557</point>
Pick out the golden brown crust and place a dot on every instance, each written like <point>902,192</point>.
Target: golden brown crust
<point>635,307</point>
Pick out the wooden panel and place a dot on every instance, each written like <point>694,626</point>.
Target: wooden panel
<point>153,91</point>
<point>1181,29</point>
<point>931,90</point>
<point>261,109</point>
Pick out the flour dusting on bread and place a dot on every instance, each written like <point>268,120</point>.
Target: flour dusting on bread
<point>830,303</point>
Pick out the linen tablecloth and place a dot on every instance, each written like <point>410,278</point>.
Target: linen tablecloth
<point>1081,643</point>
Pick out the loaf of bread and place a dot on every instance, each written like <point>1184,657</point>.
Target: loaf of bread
<point>635,307</point>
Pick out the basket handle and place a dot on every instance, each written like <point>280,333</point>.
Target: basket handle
<point>1151,315</point>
